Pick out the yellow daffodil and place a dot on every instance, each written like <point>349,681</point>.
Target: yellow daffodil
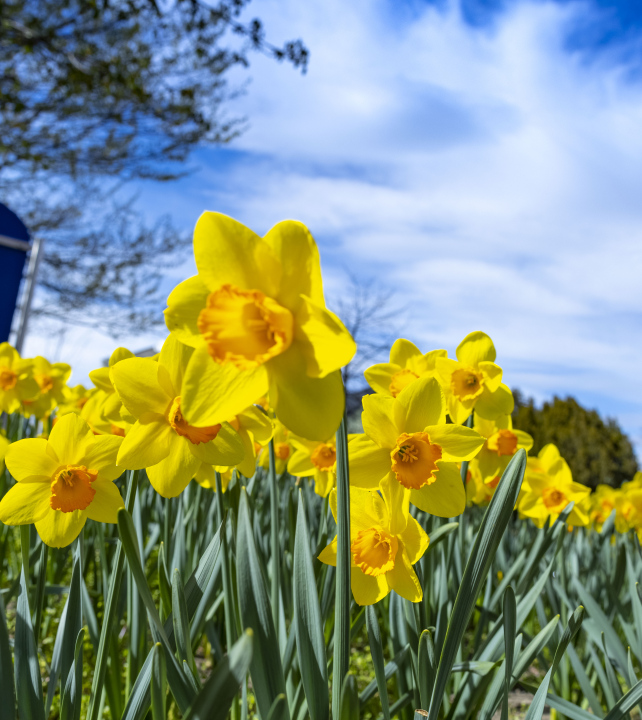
<point>110,415</point>
<point>474,381</point>
<point>205,476</point>
<point>548,488</point>
<point>407,363</point>
<point>386,541</point>
<point>407,438</point>
<point>312,458</point>
<point>161,440</point>
<point>75,399</point>
<point>52,380</point>
<point>63,481</point>
<point>282,449</point>
<point>635,484</point>
<point>256,316</point>
<point>477,491</point>
<point>17,383</point>
<point>4,446</point>
<point>502,442</point>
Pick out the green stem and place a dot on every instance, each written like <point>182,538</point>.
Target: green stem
<point>40,589</point>
<point>341,659</point>
<point>25,541</point>
<point>274,539</point>
<point>109,617</point>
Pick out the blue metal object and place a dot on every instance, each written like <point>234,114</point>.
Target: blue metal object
<point>12,261</point>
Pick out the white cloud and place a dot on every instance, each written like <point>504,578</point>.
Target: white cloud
<point>492,175</point>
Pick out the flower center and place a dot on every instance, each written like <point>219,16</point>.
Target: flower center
<point>324,457</point>
<point>467,383</point>
<point>71,488</point>
<point>374,551</point>
<point>553,498</point>
<point>195,435</point>
<point>414,460</point>
<point>503,442</point>
<point>400,380</point>
<point>45,382</point>
<point>8,378</point>
<point>244,327</point>
<point>282,450</point>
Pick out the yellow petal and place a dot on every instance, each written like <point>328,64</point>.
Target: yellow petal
<point>457,442</point>
<point>228,252</point>
<point>459,412</point>
<point>258,423</point>
<point>136,382</point>
<point>420,404</point>
<point>247,466</point>
<point>59,529</point>
<point>29,458</point>
<point>120,353</point>
<point>492,375</point>
<point>524,440</point>
<point>445,497</point>
<point>323,339</point>
<point>397,500</point>
<point>403,579</point>
<point>402,351</point>
<point>369,463</point>
<point>106,503</point>
<point>172,475</point>
<point>25,503</point>
<point>366,589</point>
<point>184,305</point>
<point>329,554</point>
<point>226,448</point>
<point>102,379</point>
<point>146,443</point>
<point>415,540</point>
<point>294,246</point>
<point>378,420</point>
<point>379,377</point>
<point>300,464</point>
<point>71,439</point>
<point>445,367</point>
<point>174,356</point>
<point>367,510</point>
<point>323,482</point>
<point>491,405</point>
<point>475,348</point>
<point>213,393</point>
<point>102,455</point>
<point>310,407</point>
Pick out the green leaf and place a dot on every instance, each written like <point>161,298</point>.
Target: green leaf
<point>72,625</point>
<point>159,683</point>
<point>181,622</point>
<point>376,652</point>
<point>266,670</point>
<point>72,696</point>
<point>426,665</point>
<point>510,619</point>
<point>7,683</point>
<point>441,533</point>
<point>343,592</point>
<point>490,533</point>
<point>279,706</point>
<point>349,699</point>
<point>308,625</point>
<point>584,682</point>
<point>216,697</point>
<point>397,664</point>
<point>27,666</point>
<point>163,581</point>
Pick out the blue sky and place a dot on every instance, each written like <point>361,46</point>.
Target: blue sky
<point>484,159</point>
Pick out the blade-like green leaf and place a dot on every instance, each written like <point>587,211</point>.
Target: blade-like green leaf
<point>426,664</point>
<point>159,683</point>
<point>488,538</point>
<point>349,699</point>
<point>7,685</point>
<point>510,619</point>
<point>308,625</point>
<point>181,622</point>
<point>376,652</point>
<point>215,699</point>
<point>27,667</point>
<point>266,670</point>
<point>72,695</point>
<point>73,624</point>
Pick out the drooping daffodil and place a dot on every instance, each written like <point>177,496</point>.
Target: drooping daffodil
<point>474,381</point>
<point>63,481</point>
<point>407,438</point>
<point>109,413</point>
<point>17,383</point>
<point>502,442</point>
<point>315,459</point>
<point>161,440</point>
<point>385,542</point>
<point>282,449</point>
<point>548,488</point>
<point>255,315</point>
<point>407,363</point>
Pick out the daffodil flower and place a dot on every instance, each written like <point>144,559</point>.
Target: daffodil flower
<point>75,399</point>
<point>312,458</point>
<point>161,439</point>
<point>17,383</point>
<point>255,315</point>
<point>474,380</point>
<point>385,542</point>
<point>477,491</point>
<point>63,481</point>
<point>282,449</point>
<point>110,415</point>
<point>548,488</point>
<point>407,364</point>
<point>502,442</point>
<point>407,438</point>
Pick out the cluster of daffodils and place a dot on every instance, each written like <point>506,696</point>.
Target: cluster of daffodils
<point>248,377</point>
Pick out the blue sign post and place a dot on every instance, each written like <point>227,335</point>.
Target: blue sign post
<point>14,245</point>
